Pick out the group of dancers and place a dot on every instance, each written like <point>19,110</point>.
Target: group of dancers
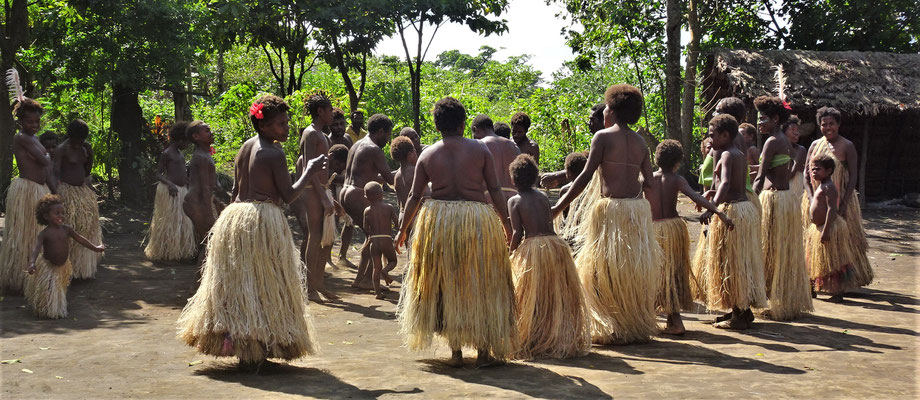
<point>493,265</point>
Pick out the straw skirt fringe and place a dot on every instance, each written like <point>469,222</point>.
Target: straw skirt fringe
<point>674,293</point>
<point>458,283</point>
<point>83,215</point>
<point>830,264</point>
<point>619,269</point>
<point>328,237</point>
<point>251,302</point>
<point>733,274</point>
<point>46,289</point>
<point>797,185</point>
<point>172,234</point>
<point>552,318</point>
<point>785,275</point>
<point>576,220</point>
<point>20,230</point>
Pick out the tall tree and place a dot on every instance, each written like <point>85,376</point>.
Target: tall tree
<point>413,17</point>
<point>15,35</point>
<point>892,25</point>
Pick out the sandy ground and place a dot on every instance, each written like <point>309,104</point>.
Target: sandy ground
<point>119,342</point>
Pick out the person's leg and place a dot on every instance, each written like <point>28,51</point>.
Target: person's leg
<point>389,251</point>
<point>377,268</point>
<point>363,277</point>
<point>313,258</point>
<point>675,325</point>
<point>348,232</point>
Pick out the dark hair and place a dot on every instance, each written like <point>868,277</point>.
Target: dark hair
<point>178,131</point>
<point>725,123</point>
<point>524,171</point>
<point>793,120</point>
<point>27,105</point>
<point>825,161</point>
<point>575,162</point>
<point>502,129</point>
<point>828,112</point>
<point>193,128</point>
<point>338,152</point>
<point>482,121</point>
<point>772,106</point>
<point>732,106</point>
<point>49,135</point>
<point>400,148</point>
<point>316,101</point>
<point>449,115</point>
<point>597,110</point>
<point>668,153</point>
<point>703,143</point>
<point>379,122</point>
<point>748,129</point>
<point>406,131</point>
<point>77,129</point>
<point>358,111</point>
<point>626,101</point>
<point>272,107</point>
<point>44,205</point>
<point>337,113</point>
<point>521,119</point>
<point>373,186</point>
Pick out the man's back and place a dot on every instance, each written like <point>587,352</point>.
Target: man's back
<point>455,167</point>
<point>503,153</point>
<point>362,164</point>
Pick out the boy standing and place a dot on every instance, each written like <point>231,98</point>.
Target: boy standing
<point>403,151</point>
<point>379,219</point>
<point>73,163</point>
<point>827,249</point>
<point>172,233</point>
<point>461,292</point>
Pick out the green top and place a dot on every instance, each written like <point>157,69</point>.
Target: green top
<point>706,171</point>
<point>778,160</point>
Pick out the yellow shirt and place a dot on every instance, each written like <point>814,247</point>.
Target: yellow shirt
<point>355,137</point>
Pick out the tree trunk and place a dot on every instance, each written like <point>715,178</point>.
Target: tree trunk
<point>416,98</point>
<point>672,85</point>
<point>7,131</point>
<point>127,122</point>
<point>181,107</point>
<point>220,73</point>
<point>14,35</point>
<point>689,96</point>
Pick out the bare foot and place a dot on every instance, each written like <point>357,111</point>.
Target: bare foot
<point>328,295</point>
<point>387,278</point>
<point>456,359</point>
<point>485,360</point>
<point>737,324</point>
<point>837,298</point>
<point>725,317</point>
<point>315,297</point>
<point>381,296</point>
<point>343,262</point>
<point>362,285</point>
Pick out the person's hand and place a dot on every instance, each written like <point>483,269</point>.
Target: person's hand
<point>842,210</point>
<point>100,248</point>
<point>315,165</point>
<point>704,219</point>
<point>328,208</point>
<point>727,221</point>
<point>173,190</point>
<point>31,269</point>
<point>709,194</point>
<point>825,236</point>
<point>339,210</point>
<point>556,211</point>
<point>400,241</point>
<point>507,227</point>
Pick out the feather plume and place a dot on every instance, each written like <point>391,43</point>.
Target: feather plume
<point>780,82</point>
<point>12,81</point>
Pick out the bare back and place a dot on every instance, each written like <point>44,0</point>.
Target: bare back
<point>662,195</point>
<point>532,211</point>
<point>503,153</point>
<point>172,165</point>
<point>731,168</point>
<point>623,156</point>
<point>365,162</point>
<point>263,173</point>
<point>456,167</point>
<point>314,143</point>
<point>241,170</point>
<point>31,158</point>
<point>380,218</point>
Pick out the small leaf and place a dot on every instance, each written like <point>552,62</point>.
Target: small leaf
<point>59,377</point>
<point>44,348</point>
<point>759,354</point>
<point>845,331</point>
<point>196,362</point>
<point>28,371</point>
<point>348,322</point>
<point>16,361</point>
<point>344,342</point>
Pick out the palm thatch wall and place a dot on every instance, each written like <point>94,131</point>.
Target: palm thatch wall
<point>878,94</point>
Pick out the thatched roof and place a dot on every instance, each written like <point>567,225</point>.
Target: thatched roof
<point>851,81</point>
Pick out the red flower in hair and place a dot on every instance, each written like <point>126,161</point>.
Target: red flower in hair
<point>213,151</point>
<point>256,110</point>
<point>786,105</point>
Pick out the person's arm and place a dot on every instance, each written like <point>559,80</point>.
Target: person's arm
<point>277,162</point>
<point>35,250</point>
<point>367,220</point>
<point>809,188</point>
<point>831,197</point>
<point>235,190</point>
<point>517,229</point>
<point>394,217</point>
<point>419,184</point>
<point>380,162</point>
<point>645,168</point>
<point>495,190</point>
<point>580,183</point>
<point>536,151</point>
<point>553,180</point>
<point>161,176</point>
<point>83,241</point>
<point>309,142</point>
<point>701,201</point>
<point>724,179</point>
<point>88,166</point>
<point>852,164</point>
<point>766,158</point>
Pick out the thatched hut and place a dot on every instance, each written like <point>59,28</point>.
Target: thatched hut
<point>878,94</point>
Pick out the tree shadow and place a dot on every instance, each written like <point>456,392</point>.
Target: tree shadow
<point>847,324</point>
<point>295,380</point>
<point>370,311</point>
<point>526,379</point>
<point>896,301</point>
<point>673,352</point>
<point>816,336</point>
<point>594,361</point>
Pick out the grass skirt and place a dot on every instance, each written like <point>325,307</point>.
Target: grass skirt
<point>733,273</point>
<point>674,293</point>
<point>698,266</point>
<point>785,275</point>
<point>752,197</point>
<point>619,269</point>
<point>552,318</point>
<point>328,237</point>
<point>458,283</point>
<point>251,302</point>
<point>20,230</point>
<point>83,215</point>
<point>172,234</point>
<point>46,289</point>
<point>829,264</point>
<point>576,220</point>
<point>797,185</point>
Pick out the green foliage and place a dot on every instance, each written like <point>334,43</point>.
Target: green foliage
<point>892,25</point>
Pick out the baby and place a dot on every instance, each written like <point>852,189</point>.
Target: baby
<point>378,218</point>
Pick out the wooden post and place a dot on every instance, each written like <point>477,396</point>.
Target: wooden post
<point>862,163</point>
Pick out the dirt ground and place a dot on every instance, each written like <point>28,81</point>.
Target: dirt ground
<point>119,342</point>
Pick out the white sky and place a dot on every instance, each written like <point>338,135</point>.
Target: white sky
<point>532,29</point>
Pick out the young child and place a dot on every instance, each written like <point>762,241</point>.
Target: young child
<point>674,292</point>
<point>172,233</point>
<point>49,141</point>
<point>24,192</point>
<point>403,151</point>
<point>781,230</point>
<point>827,250</point>
<point>199,204</point>
<point>574,164</point>
<point>732,275</point>
<point>379,219</point>
<point>73,162</point>
<point>49,274</point>
<point>458,284</point>
<point>552,317</point>
<point>618,256</point>
<point>338,158</point>
<point>250,303</point>
<point>520,124</point>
